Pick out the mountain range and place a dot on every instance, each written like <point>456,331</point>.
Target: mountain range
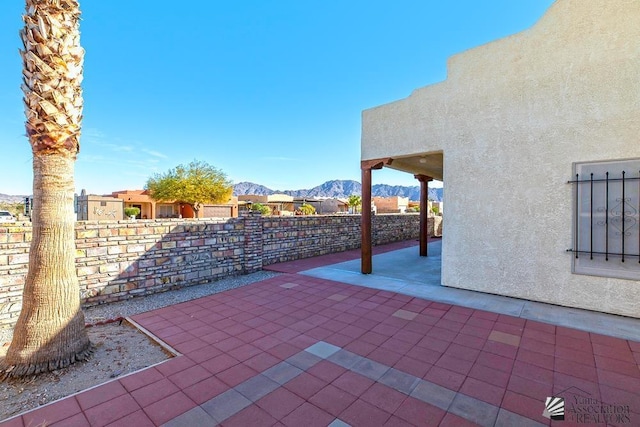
<point>7,198</point>
<point>340,189</point>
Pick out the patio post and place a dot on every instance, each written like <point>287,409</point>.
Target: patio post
<point>424,206</point>
<point>366,167</point>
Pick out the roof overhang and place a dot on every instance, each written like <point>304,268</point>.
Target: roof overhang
<point>429,164</point>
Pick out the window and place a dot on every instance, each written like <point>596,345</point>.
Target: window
<point>606,229</point>
<point>165,211</point>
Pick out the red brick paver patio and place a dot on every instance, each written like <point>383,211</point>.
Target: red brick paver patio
<point>300,351</point>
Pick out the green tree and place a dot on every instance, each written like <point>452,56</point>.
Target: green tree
<point>50,332</point>
<point>194,184</point>
<point>15,208</point>
<point>354,202</point>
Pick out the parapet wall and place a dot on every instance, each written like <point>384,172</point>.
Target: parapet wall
<point>117,260</point>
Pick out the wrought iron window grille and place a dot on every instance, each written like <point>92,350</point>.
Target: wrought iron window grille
<point>607,213</point>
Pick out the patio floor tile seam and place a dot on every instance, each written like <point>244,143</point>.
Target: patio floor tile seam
<point>458,403</point>
<point>235,399</point>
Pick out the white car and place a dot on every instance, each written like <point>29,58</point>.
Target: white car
<point>5,216</point>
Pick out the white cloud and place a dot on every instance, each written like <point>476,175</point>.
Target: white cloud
<point>155,153</point>
<point>93,133</point>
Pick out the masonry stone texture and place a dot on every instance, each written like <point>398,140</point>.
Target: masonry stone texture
<point>118,260</point>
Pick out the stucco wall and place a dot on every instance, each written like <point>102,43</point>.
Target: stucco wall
<point>511,118</point>
<point>97,208</point>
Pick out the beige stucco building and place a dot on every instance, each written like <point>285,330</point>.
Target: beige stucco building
<point>279,203</point>
<point>152,209</point>
<point>110,207</point>
<point>513,123</point>
<point>94,208</point>
<point>393,204</point>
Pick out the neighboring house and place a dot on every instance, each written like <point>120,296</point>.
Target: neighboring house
<point>393,204</point>
<point>152,209</point>
<point>433,207</point>
<point>283,204</point>
<point>226,210</point>
<point>518,121</point>
<point>140,199</point>
<point>316,203</point>
<point>331,206</point>
<point>92,207</point>
<point>279,203</point>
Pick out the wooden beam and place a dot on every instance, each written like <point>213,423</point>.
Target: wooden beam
<point>375,163</point>
<point>424,206</point>
<point>365,228</point>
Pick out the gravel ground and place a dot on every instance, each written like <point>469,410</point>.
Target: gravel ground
<point>120,348</point>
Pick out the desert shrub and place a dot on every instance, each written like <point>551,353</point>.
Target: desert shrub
<point>132,211</point>
<point>263,209</point>
<point>307,209</point>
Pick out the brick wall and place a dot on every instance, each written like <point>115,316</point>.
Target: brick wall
<point>14,258</point>
<point>117,260</point>
<point>291,238</point>
<point>388,228</point>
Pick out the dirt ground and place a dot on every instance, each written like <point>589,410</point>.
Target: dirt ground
<point>120,349</point>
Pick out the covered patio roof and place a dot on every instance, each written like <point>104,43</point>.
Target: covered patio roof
<point>429,164</point>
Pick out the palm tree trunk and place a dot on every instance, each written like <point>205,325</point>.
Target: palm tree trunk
<point>50,331</point>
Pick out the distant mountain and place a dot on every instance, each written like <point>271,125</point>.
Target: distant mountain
<point>242,188</point>
<point>340,189</point>
<point>6,198</point>
<point>335,188</point>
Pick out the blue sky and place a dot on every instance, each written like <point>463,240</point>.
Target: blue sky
<point>267,91</point>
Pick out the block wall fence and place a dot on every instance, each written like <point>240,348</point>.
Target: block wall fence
<point>118,260</point>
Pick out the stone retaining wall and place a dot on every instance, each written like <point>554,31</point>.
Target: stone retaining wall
<point>118,260</point>
<point>291,238</point>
